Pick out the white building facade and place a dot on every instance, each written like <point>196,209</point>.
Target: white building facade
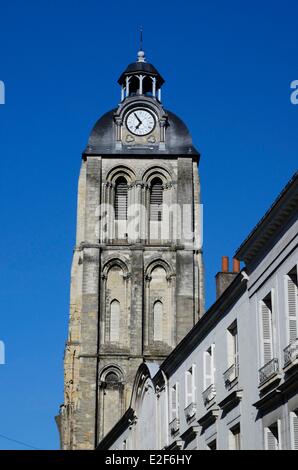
<point>232,382</point>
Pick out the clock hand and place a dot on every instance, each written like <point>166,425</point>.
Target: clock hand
<point>138,118</point>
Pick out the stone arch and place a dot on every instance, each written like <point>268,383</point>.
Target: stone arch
<point>143,404</point>
<point>111,368</point>
<point>159,290</point>
<point>160,226</point>
<point>153,263</point>
<point>112,261</point>
<point>123,111</point>
<point>121,170</point>
<point>145,374</point>
<point>117,228</point>
<point>111,397</point>
<point>161,171</point>
<point>115,287</point>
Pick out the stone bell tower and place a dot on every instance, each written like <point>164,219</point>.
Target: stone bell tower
<point>137,271</point>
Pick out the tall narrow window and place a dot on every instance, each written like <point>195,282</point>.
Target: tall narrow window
<point>267,327</point>
<point>115,321</point>
<point>189,386</point>
<point>157,320</point>
<point>294,429</point>
<point>174,402</point>
<point>233,352</point>
<point>209,367</point>
<point>235,438</point>
<point>231,374</point>
<point>156,199</point>
<point>121,199</point>
<point>292,298</point>
<point>272,437</point>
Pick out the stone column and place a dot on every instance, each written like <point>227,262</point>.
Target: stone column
<point>148,278</point>
<point>166,226</point>
<point>185,255</point>
<point>137,280</point>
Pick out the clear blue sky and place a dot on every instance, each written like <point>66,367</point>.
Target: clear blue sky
<point>228,67</point>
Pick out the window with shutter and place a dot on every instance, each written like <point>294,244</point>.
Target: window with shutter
<point>189,386</point>
<point>121,199</point>
<point>294,429</point>
<point>233,353</point>
<point>115,321</point>
<point>174,402</point>
<point>156,199</point>
<point>272,441</point>
<point>207,377</point>
<point>292,304</point>
<point>267,329</point>
<point>157,320</point>
<point>235,438</point>
<point>209,367</point>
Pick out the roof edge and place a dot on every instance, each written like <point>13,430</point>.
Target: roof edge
<point>204,325</point>
<point>271,223</point>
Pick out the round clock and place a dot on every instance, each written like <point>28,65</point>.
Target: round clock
<point>140,122</point>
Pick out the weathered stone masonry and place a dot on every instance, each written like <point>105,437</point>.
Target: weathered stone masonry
<point>133,298</point>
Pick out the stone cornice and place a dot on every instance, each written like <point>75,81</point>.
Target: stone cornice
<point>272,223</point>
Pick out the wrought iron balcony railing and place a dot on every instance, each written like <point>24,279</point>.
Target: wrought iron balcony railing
<point>174,426</point>
<point>291,353</point>
<point>268,371</point>
<point>231,374</point>
<point>209,394</point>
<point>190,411</point>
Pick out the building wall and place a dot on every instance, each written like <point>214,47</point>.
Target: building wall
<point>245,401</point>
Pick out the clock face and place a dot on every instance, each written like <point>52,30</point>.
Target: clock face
<point>140,122</point>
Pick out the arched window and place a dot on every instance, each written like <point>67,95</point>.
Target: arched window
<point>115,321</point>
<point>112,377</point>
<point>156,198</point>
<point>157,320</point>
<point>121,199</point>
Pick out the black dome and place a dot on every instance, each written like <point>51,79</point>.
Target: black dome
<point>102,138</point>
<point>144,67</point>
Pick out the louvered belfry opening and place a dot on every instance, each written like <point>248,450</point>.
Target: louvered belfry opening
<point>156,198</point>
<point>121,199</point>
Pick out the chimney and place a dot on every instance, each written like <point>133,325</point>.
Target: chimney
<point>225,264</point>
<point>236,265</point>
<point>224,278</point>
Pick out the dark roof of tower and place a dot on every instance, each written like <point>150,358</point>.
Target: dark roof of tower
<point>102,139</point>
<point>144,67</point>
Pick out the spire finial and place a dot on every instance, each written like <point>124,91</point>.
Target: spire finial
<point>141,38</point>
<point>141,54</point>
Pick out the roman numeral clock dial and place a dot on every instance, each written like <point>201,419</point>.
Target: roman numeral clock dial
<point>140,122</point>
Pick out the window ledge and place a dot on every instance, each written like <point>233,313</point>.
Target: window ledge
<point>190,412</point>
<point>290,365</point>
<point>270,381</point>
